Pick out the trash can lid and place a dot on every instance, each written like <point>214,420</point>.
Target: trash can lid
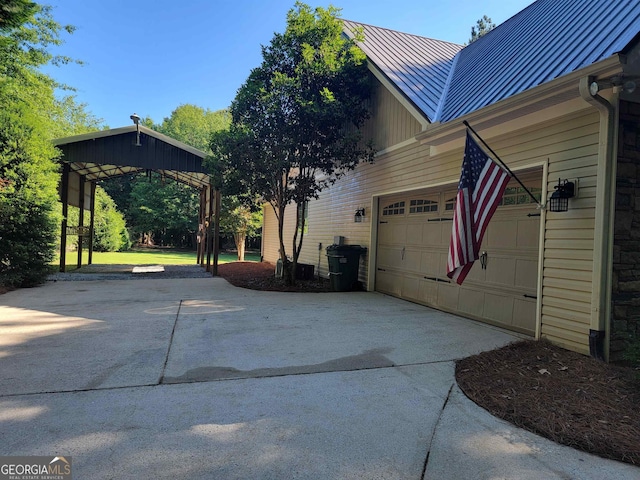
<point>346,248</point>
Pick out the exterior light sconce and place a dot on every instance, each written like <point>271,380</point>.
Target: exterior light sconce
<point>359,215</point>
<point>559,201</point>
<point>136,120</point>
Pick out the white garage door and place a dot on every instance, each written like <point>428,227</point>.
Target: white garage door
<point>413,240</point>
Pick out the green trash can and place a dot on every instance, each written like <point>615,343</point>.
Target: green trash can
<point>344,263</point>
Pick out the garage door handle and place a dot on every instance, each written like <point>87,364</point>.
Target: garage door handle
<point>530,296</point>
<point>436,279</point>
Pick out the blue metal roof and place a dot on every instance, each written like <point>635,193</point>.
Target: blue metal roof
<point>546,40</point>
<point>418,66</point>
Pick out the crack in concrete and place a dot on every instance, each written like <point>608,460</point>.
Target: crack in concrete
<point>268,372</point>
<point>367,360</point>
<point>173,331</point>
<point>433,433</point>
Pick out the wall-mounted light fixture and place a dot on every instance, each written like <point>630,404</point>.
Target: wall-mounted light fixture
<point>136,120</point>
<point>359,215</point>
<point>559,201</point>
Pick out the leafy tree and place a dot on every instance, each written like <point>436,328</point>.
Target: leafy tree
<point>484,25</point>
<point>295,121</point>
<point>29,111</point>
<point>194,125</point>
<point>110,229</point>
<point>163,212</point>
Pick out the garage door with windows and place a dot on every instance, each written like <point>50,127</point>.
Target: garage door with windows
<point>414,229</point>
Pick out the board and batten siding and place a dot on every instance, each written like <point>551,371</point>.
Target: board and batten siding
<point>390,122</point>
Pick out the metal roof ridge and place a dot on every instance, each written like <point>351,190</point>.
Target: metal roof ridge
<point>445,90</point>
<point>403,33</point>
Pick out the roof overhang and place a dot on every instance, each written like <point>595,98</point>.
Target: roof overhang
<point>109,153</point>
<point>513,113</point>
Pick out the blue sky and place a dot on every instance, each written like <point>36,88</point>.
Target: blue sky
<point>150,56</point>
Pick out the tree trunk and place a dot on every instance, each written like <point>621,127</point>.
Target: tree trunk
<point>240,240</point>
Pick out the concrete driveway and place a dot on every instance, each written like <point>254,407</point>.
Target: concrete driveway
<point>193,378</point>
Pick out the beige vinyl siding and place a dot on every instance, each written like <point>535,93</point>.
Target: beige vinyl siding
<point>568,254</point>
<point>270,241</point>
<point>390,123</point>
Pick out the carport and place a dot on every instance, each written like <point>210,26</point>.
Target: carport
<point>96,156</point>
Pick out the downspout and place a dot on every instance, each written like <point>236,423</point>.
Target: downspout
<point>605,210</point>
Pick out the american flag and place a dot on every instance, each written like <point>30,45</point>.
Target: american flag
<point>482,184</point>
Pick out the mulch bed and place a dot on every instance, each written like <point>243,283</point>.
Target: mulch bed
<point>569,398</point>
<point>261,276</point>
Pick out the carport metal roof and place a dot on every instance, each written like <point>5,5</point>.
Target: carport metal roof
<point>109,153</point>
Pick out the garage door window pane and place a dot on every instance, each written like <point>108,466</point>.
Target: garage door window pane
<point>518,196</point>
<point>422,205</point>
<point>450,204</point>
<point>393,209</point>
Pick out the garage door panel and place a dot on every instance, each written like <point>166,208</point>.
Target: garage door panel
<point>442,264</point>
<point>476,274</point>
<point>411,288</point>
<point>412,261</point>
<point>524,310</point>
<point>471,302</point>
<point>529,233</point>
<point>413,246</point>
<point>385,233</point>
<point>432,233</point>
<point>389,257</point>
<point>498,308</point>
<point>527,273</point>
<point>388,282</point>
<point>414,234</point>
<point>448,295</point>
<point>500,234</point>
<point>445,232</point>
<point>428,292</point>
<point>501,270</point>
<point>399,233</point>
<point>430,263</point>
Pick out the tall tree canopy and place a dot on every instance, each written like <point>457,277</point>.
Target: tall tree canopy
<point>484,26</point>
<point>30,117</point>
<point>296,119</point>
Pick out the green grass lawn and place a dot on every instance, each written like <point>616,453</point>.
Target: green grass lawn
<point>148,256</point>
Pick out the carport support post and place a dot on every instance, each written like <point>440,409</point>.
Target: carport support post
<point>81,220</point>
<point>64,198</point>
<point>209,228</point>
<point>216,233</point>
<point>200,239</point>
<point>92,223</point>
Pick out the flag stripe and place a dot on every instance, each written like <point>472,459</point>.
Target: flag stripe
<point>482,184</point>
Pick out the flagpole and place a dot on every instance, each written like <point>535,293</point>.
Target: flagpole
<point>502,163</point>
